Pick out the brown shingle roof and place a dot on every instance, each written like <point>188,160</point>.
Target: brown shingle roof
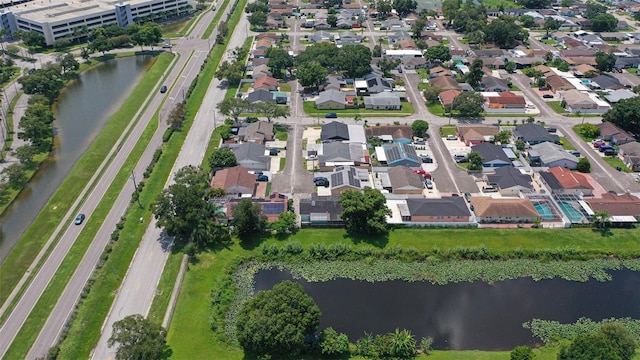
<point>447,96</point>
<point>231,178</point>
<point>616,205</point>
<point>569,179</point>
<point>489,207</point>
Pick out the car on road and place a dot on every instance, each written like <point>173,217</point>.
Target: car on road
<point>467,196</point>
<point>79,219</point>
<point>262,178</point>
<point>331,115</point>
<point>163,89</point>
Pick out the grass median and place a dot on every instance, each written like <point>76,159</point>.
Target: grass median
<point>215,21</point>
<point>34,322</point>
<point>25,251</point>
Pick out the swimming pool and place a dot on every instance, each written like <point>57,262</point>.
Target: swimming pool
<point>571,212</point>
<point>545,211</point>
<point>586,81</point>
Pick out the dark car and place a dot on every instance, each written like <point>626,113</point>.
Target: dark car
<point>79,219</point>
<point>330,115</point>
<point>467,197</point>
<point>547,96</point>
<point>163,89</point>
<point>274,152</point>
<point>262,178</point>
<point>321,182</point>
<point>605,148</point>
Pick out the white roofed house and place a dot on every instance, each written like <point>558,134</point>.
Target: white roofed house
<point>331,100</point>
<point>551,155</point>
<point>383,101</point>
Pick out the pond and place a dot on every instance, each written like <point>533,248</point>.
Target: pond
<point>82,110</point>
<point>464,316</point>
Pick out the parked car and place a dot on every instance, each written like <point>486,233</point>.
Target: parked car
<point>312,157</point>
<point>262,178</point>
<point>274,152</point>
<point>452,137</point>
<point>547,96</point>
<point>604,148</point>
<point>429,184</point>
<point>575,153</point>
<point>321,182</point>
<point>610,152</point>
<point>331,115</point>
<point>467,196</point>
<point>320,178</point>
<point>552,130</point>
<point>598,144</point>
<point>79,219</point>
<point>163,89</point>
<point>426,160</point>
<point>489,188</point>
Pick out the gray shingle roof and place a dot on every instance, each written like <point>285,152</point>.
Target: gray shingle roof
<point>508,177</point>
<point>446,206</point>
<point>334,131</point>
<point>534,133</point>
<point>550,153</point>
<point>491,152</point>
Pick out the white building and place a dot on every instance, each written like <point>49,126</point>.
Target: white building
<point>56,19</point>
<point>402,54</point>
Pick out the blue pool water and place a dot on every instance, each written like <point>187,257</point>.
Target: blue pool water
<point>545,211</point>
<point>586,81</point>
<point>571,212</point>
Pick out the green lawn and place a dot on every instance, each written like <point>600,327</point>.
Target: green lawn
<point>447,130</point>
<point>423,73</point>
<point>284,87</point>
<point>407,109</point>
<point>283,162</point>
<point>435,108</point>
<point>555,106</point>
<point>615,162</point>
<point>194,309</point>
<point>566,144</point>
<point>632,70</point>
<point>577,130</point>
<point>497,4</point>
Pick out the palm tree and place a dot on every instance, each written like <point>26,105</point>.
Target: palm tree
<point>602,219</point>
<point>403,344</point>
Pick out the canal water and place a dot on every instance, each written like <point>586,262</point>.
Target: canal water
<point>464,316</point>
<point>82,110</point>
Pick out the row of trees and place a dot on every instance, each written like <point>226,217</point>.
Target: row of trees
<point>233,107</point>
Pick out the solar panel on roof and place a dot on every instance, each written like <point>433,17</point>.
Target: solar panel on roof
<point>272,208</point>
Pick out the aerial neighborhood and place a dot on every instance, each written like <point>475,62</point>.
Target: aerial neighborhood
<point>444,161</point>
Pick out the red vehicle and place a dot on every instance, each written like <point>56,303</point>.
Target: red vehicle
<point>597,144</point>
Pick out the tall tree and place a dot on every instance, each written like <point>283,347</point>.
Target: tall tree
<point>475,161</point>
<point>419,128</point>
<point>138,338</point>
<point>222,158</point>
<point>605,61</point>
<point>183,210</point>
<point>277,322</point>
<point>248,219</point>
<point>324,53</point>
<point>355,60</point>
<point>15,175</point>
<point>475,73</point>
<point>148,34</point>
<point>438,53</point>
<point>279,60</point>
<point>594,9</point>
<point>534,4</point>
<point>364,212</point>
<point>584,166</point>
<point>234,107</point>
<point>611,342</point>
<point>232,72</point>
<point>521,353</point>
<point>602,219</point>
<point>311,74</point>
<point>468,104</point>
<point>47,82</point>
<point>604,22</point>
<point>505,33</point>
<point>551,24</point>
<point>403,7</point>
<point>272,110</point>
<point>626,114</point>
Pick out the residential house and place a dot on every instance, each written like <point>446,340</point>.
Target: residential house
<point>398,154</point>
<point>259,71</point>
<point>331,100</point>
<point>545,70</point>
<point>525,62</point>
<point>235,180</point>
<point>407,44</point>
<point>334,131</point>
<point>492,210</point>
<point>321,36</point>
<point>510,181</point>
<point>578,52</point>
<point>445,83</point>
<point>488,53</point>
<point>271,206</point>
<point>493,63</point>
<point>627,80</point>
<point>450,209</point>
<point>578,101</point>
<point>563,181</point>
<point>267,83</point>
<point>630,153</point>
<point>551,155</point>
<point>258,132</point>
<point>627,62</point>
<point>394,133</point>
<point>588,60</point>
<point>616,96</point>
<point>345,178</point>
<point>616,205</point>
<point>372,84</point>
<point>414,63</point>
<point>605,82</point>
<point>348,37</point>
<point>321,211</point>
<point>613,36</point>
<point>401,180</point>
<point>447,97</point>
<point>260,95</point>
<point>608,130</point>
<point>534,134</point>
<point>430,35</point>
<point>492,155</point>
<point>492,83</point>
<point>263,44</point>
<point>437,71</point>
<point>504,102</point>
<point>382,101</point>
<point>251,156</point>
<point>342,154</point>
<point>476,134</point>
<point>558,83</point>
<point>399,36</point>
<point>582,69</point>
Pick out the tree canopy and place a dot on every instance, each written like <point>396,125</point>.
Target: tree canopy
<point>185,213</point>
<point>276,322</point>
<point>222,158</point>
<point>419,128</point>
<point>505,33</point>
<point>475,161</point>
<point>139,339</point>
<point>403,7</point>
<point>604,22</point>
<point>611,342</point>
<point>534,4</point>
<point>605,61</point>
<point>474,76</point>
<point>248,219</point>
<point>468,104</point>
<point>625,114</point>
<point>364,212</point>
<point>438,52</point>
<point>311,74</point>
<point>584,166</point>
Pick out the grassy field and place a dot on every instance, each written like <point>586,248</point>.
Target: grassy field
<point>616,163</point>
<point>216,19</point>
<point>193,309</point>
<point>566,144</point>
<point>555,106</point>
<point>577,130</point>
<point>407,109</point>
<point>447,130</point>
<point>25,251</point>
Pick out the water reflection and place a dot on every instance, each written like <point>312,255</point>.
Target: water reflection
<point>465,316</point>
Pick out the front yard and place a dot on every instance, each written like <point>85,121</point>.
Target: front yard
<point>407,109</point>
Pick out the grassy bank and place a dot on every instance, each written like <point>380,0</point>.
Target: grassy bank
<point>34,322</point>
<point>194,309</point>
<point>25,251</point>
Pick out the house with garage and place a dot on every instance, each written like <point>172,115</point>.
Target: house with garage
<point>611,132</point>
<point>345,178</point>
<point>447,210</point>
<point>557,83</point>
<point>235,181</point>
<point>257,132</point>
<point>251,156</point>
<point>398,154</point>
<point>563,181</point>
<point>534,134</point>
<point>383,101</point>
<point>630,153</point>
<point>623,205</point>
<point>324,211</point>
<point>372,84</point>
<point>447,97</point>
<point>267,83</point>
<point>476,134</point>
<point>445,83</point>
<point>437,71</point>
<point>260,95</point>
<point>616,96</point>
<point>503,102</point>
<point>578,101</point>
<point>271,206</point>
<point>391,133</point>
<point>331,100</point>
<point>510,181</point>
<point>492,155</point>
<point>548,154</point>
<point>334,131</point>
<point>399,180</point>
<point>503,210</point>
<point>334,154</point>
<point>492,83</point>
<point>605,82</point>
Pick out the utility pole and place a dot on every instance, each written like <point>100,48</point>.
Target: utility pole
<point>133,177</point>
